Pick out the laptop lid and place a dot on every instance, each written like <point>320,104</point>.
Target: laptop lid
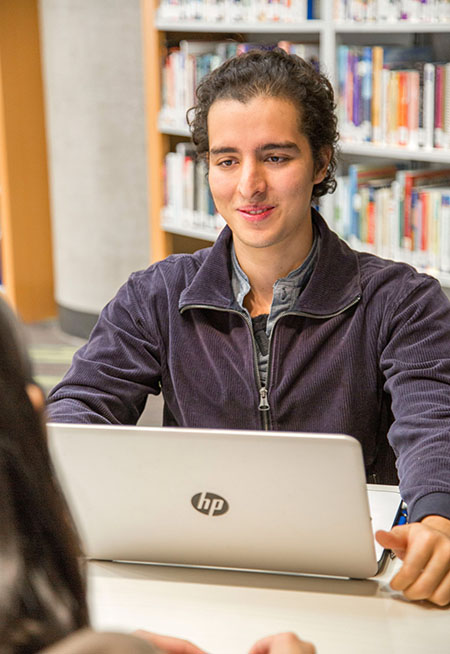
<point>276,501</point>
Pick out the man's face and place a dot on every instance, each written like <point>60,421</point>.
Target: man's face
<point>261,172</point>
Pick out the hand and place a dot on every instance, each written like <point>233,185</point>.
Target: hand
<point>424,548</point>
<point>168,644</point>
<point>287,643</point>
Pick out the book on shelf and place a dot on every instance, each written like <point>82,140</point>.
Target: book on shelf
<point>428,11</point>
<point>402,215</point>
<point>184,66</point>
<point>361,176</point>
<point>188,200</point>
<point>408,180</point>
<point>428,105</point>
<point>444,243</point>
<point>393,96</point>
<point>238,11</point>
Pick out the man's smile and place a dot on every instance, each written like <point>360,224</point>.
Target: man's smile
<point>255,213</point>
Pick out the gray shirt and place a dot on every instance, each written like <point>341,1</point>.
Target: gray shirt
<point>285,292</point>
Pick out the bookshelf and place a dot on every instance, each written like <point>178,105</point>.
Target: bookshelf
<point>330,33</point>
<point>26,255</point>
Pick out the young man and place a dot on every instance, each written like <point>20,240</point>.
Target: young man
<point>280,325</point>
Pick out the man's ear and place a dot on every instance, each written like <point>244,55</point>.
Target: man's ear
<point>322,165</point>
<point>36,396</point>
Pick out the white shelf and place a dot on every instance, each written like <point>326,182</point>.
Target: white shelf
<point>192,232</point>
<point>194,224</point>
<point>388,27</point>
<point>174,130</point>
<point>276,27</point>
<point>444,279</point>
<point>433,155</point>
<point>440,275</point>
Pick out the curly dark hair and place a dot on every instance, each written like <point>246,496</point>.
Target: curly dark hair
<point>274,73</point>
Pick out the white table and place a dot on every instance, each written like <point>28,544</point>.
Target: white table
<point>225,612</point>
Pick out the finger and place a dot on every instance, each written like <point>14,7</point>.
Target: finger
<point>169,644</point>
<point>284,643</point>
<point>441,595</point>
<point>419,552</point>
<point>434,575</point>
<point>262,646</point>
<point>391,540</point>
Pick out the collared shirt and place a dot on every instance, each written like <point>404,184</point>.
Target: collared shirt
<point>285,293</point>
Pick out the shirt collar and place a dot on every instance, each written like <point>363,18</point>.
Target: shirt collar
<point>294,281</point>
<point>335,281</point>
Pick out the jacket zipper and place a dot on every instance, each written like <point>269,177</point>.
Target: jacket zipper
<point>264,405</point>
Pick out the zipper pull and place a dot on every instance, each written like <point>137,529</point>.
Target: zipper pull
<point>263,403</point>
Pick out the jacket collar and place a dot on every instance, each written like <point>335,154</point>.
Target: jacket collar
<point>334,284</point>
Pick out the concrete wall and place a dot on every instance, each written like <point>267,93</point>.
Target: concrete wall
<point>93,78</point>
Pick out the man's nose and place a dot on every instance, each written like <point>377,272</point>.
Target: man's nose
<point>252,181</point>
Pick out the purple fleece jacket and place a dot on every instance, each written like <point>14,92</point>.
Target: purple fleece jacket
<point>365,351</point>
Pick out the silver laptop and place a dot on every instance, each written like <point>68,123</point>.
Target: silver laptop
<point>277,501</point>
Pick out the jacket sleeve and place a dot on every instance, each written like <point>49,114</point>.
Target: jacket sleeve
<point>111,376</point>
<point>415,362</point>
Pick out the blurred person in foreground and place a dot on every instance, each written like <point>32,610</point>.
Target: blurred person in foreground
<point>42,584</point>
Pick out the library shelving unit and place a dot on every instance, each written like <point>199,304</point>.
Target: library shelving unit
<point>328,32</point>
<point>26,253</point>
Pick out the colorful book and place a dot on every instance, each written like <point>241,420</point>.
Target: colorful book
<point>362,175</point>
<point>409,179</point>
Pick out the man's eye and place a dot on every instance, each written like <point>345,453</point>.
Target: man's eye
<point>226,163</point>
<point>274,158</point>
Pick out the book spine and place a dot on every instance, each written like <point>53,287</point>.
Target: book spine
<point>396,222</point>
<point>379,203</point>
<point>363,194</point>
<point>433,229</point>
<point>444,250</point>
<point>414,221</point>
<point>357,79</point>
<point>439,107</point>
<point>343,90</point>
<point>428,105</point>
<point>377,66</point>
<point>392,109</point>
<point>424,197</point>
<point>402,108</point>
<point>406,241</point>
<point>366,93</point>
<point>447,105</point>
<point>413,108</point>
<point>370,213</point>
<point>384,100</point>
<point>353,200</point>
<point>350,87</point>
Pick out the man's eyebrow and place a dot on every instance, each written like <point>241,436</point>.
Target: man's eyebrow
<point>287,145</point>
<point>224,150</point>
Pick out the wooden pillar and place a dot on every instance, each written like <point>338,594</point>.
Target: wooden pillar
<point>27,271</point>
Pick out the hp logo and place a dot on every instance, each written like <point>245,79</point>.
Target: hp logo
<point>209,504</point>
